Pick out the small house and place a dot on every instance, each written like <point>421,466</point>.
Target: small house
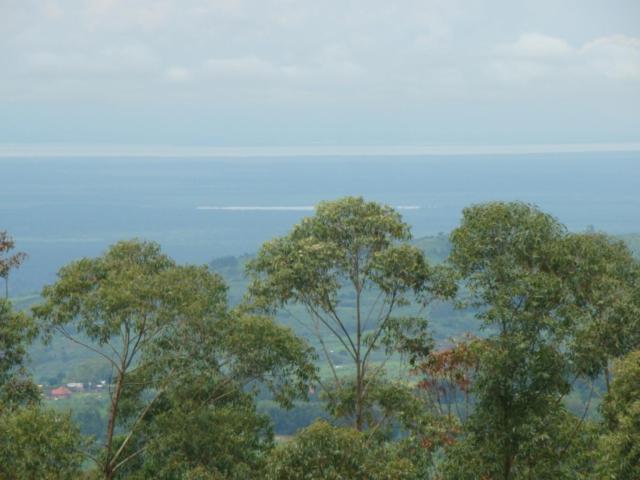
<point>60,392</point>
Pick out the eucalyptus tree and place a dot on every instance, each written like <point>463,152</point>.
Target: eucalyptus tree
<point>34,442</point>
<point>207,421</point>
<point>8,261</point>
<point>350,267</point>
<point>604,280</point>
<point>17,331</point>
<point>620,445</point>
<point>39,443</point>
<point>115,306</point>
<point>160,327</point>
<point>510,257</point>
<point>324,452</point>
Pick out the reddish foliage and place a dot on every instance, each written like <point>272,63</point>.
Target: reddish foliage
<point>447,380</point>
<point>454,365</point>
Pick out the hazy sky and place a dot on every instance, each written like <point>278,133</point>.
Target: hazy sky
<point>328,72</point>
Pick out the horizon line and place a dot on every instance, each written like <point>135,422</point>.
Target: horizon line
<point>56,150</point>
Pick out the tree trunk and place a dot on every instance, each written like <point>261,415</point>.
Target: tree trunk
<point>359,391</point>
<point>359,367</point>
<point>113,413</point>
<point>507,466</point>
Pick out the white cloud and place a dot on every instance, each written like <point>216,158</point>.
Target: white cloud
<point>616,56</point>
<point>535,56</point>
<point>536,46</point>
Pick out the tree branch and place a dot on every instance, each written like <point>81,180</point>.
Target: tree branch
<point>68,336</point>
<point>380,328</point>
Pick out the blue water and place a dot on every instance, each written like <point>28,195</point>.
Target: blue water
<point>61,209</point>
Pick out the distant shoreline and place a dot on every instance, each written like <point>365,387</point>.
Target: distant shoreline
<point>171,151</point>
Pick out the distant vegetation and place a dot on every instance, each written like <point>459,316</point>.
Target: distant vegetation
<point>507,350</point>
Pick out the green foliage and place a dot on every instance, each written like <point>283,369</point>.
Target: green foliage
<point>289,421</point>
<point>506,253</point>
<point>521,270</point>
<point>519,427</point>
<point>391,407</point>
<point>348,249</point>
<point>177,353</point>
<point>37,444</point>
<point>272,354</point>
<point>348,239</point>
<point>324,452</point>
<point>555,445</point>
<point>8,262</point>
<point>554,306</point>
<point>205,417</point>
<point>620,445</point>
<point>227,439</point>
<point>604,280</point>
<point>129,303</point>
<point>17,330</point>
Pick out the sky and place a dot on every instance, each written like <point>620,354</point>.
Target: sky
<point>319,73</point>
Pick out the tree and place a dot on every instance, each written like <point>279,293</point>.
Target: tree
<point>510,257</point>
<point>8,262</point>
<point>17,331</point>
<point>226,438</point>
<point>35,443</point>
<point>350,252</point>
<point>445,384</point>
<point>38,443</point>
<point>324,452</point>
<point>207,420</point>
<point>165,329</point>
<point>118,306</point>
<point>447,377</point>
<point>620,445</point>
<point>604,281</point>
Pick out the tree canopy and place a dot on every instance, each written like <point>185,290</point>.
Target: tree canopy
<point>558,315</point>
<point>350,249</point>
<point>164,328</point>
<point>35,442</point>
<point>553,305</point>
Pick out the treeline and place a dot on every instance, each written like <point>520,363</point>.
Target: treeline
<point>555,309</point>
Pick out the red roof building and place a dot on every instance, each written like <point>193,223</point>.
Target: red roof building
<point>61,392</point>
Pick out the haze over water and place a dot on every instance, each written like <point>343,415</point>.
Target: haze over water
<point>59,209</point>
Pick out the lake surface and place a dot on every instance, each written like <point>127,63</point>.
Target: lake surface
<point>198,209</point>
